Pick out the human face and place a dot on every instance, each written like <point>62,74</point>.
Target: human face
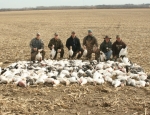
<point>107,39</point>
<point>56,36</point>
<point>118,39</point>
<point>38,36</point>
<point>90,33</point>
<point>73,35</point>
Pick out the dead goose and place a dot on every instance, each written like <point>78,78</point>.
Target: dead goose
<point>131,82</point>
<point>53,52</point>
<point>70,52</point>
<point>4,79</point>
<point>89,79</point>
<point>40,80</point>
<point>56,83</point>
<point>140,83</point>
<point>116,83</point>
<point>108,79</point>
<point>30,81</point>
<point>64,81</point>
<point>73,71</point>
<point>82,81</point>
<point>73,80</point>
<point>99,81</point>
<point>123,52</point>
<point>125,60</point>
<point>38,57</point>
<point>21,82</point>
<point>85,51</point>
<point>102,57</point>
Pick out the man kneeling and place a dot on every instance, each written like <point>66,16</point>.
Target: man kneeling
<point>76,46</point>
<point>58,46</point>
<point>106,47</point>
<point>36,45</point>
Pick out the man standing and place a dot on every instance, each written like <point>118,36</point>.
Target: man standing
<point>76,46</point>
<point>58,45</point>
<point>106,47</point>
<point>117,46</point>
<point>91,44</point>
<point>36,45</point>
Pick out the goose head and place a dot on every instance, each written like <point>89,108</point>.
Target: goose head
<point>53,46</point>
<point>101,53</point>
<point>84,47</point>
<point>22,83</point>
<point>56,83</point>
<point>123,83</point>
<point>122,56</point>
<point>70,47</point>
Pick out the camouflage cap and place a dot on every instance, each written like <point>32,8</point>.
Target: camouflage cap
<point>89,31</point>
<point>117,36</point>
<point>56,34</point>
<point>38,34</point>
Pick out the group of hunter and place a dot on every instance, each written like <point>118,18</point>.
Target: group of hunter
<point>89,41</point>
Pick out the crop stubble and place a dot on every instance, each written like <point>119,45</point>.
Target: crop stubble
<point>18,28</point>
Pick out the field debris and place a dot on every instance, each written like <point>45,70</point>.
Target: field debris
<point>19,27</point>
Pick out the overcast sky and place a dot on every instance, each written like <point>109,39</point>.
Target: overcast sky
<point>34,3</point>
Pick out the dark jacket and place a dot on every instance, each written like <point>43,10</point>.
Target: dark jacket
<point>90,41</point>
<point>117,46</point>
<point>36,43</point>
<point>74,42</point>
<point>105,47</point>
<point>57,43</point>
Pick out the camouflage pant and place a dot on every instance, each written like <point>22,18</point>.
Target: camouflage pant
<point>90,51</point>
<point>33,55</point>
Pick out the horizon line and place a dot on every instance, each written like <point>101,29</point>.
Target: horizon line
<point>79,5</point>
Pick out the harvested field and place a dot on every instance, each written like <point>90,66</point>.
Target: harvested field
<point>18,28</point>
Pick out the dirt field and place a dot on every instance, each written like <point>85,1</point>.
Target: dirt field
<point>18,28</point>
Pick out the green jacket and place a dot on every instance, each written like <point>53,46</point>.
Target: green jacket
<point>57,43</point>
<point>105,47</point>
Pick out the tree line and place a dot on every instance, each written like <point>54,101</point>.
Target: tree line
<point>125,6</point>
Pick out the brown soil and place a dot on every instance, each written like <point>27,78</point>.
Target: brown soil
<point>18,28</point>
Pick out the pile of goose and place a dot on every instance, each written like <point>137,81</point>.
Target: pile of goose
<point>55,72</point>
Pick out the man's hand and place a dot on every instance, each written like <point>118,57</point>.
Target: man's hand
<point>115,57</point>
<point>59,50</point>
<point>108,49</point>
<point>79,52</point>
<point>52,46</point>
<point>40,50</point>
<point>35,49</point>
<point>94,49</point>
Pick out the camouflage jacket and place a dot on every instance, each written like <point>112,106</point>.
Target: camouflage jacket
<point>117,46</point>
<point>36,43</point>
<point>90,41</point>
<point>57,43</point>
